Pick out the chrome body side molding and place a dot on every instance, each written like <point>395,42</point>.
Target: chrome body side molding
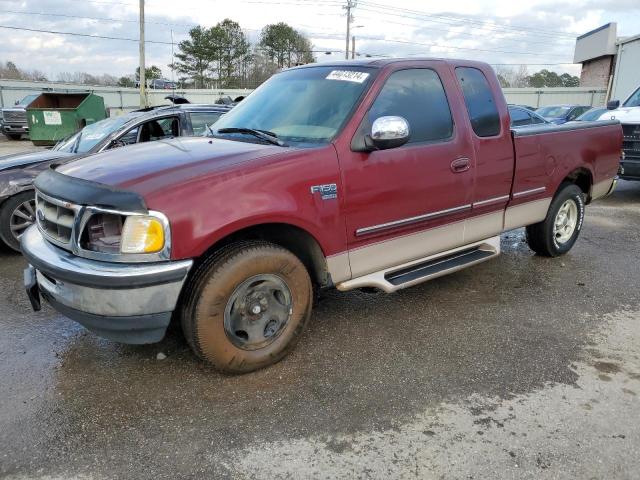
<point>410,220</point>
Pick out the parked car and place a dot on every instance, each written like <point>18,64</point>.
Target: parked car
<point>629,116</point>
<point>523,117</point>
<point>17,202</point>
<point>591,115</point>
<point>14,119</point>
<point>528,107</point>
<point>560,114</point>
<point>374,173</point>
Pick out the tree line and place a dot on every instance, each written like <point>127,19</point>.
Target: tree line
<point>520,77</point>
<point>223,57</point>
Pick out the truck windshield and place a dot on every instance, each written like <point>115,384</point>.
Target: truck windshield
<point>304,107</point>
<point>87,138</point>
<point>633,100</point>
<point>26,100</point>
<point>553,112</point>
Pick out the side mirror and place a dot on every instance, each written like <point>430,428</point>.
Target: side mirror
<point>388,132</point>
<point>613,104</point>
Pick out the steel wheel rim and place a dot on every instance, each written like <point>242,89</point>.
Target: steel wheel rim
<point>257,311</point>
<point>22,217</point>
<point>565,222</point>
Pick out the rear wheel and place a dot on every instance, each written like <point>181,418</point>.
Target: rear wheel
<point>557,233</point>
<point>16,215</point>
<point>245,308</point>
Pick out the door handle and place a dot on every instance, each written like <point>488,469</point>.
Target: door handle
<point>460,165</point>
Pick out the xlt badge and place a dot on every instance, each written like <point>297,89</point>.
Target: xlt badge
<point>328,191</point>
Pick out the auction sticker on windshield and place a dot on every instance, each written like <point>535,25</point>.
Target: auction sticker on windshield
<point>348,76</point>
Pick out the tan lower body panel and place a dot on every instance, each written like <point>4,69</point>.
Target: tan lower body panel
<point>389,254</point>
<point>601,189</point>
<point>526,213</point>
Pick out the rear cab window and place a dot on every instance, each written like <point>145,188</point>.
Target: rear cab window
<point>418,96</point>
<point>481,105</point>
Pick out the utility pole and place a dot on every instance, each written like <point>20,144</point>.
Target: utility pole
<point>353,47</point>
<point>350,4</point>
<point>142,76</point>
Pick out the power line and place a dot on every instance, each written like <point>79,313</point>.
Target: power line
<point>101,19</point>
<point>459,33</point>
<point>416,15</point>
<point>76,34</point>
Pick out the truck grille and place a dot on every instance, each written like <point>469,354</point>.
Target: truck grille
<point>13,116</point>
<point>55,219</point>
<point>631,141</point>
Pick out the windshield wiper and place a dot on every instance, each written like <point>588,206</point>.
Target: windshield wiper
<point>265,135</point>
<point>76,144</point>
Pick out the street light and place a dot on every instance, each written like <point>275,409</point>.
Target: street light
<point>353,42</point>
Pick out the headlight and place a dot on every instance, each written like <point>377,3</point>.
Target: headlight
<point>142,234</point>
<point>119,234</point>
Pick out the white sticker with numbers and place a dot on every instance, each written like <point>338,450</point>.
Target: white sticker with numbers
<point>52,118</point>
<point>348,76</point>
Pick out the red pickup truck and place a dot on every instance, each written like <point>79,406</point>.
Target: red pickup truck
<point>377,173</point>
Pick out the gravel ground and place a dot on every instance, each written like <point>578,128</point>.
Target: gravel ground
<point>521,367</point>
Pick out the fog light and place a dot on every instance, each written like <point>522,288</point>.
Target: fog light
<point>142,234</point>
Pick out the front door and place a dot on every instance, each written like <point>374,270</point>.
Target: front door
<point>409,202</point>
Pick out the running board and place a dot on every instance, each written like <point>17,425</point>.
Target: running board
<point>427,268</point>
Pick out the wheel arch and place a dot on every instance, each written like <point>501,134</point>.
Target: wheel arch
<point>583,178</point>
<point>294,238</point>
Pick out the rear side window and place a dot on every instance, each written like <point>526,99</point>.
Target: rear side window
<point>419,97</point>
<point>481,105</point>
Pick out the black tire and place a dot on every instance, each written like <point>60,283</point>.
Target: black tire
<point>541,236</point>
<point>8,211</point>
<point>227,288</point>
<point>14,136</point>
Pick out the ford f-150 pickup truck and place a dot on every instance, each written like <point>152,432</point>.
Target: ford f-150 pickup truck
<point>377,173</point>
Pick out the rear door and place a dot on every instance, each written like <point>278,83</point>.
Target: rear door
<point>410,202</point>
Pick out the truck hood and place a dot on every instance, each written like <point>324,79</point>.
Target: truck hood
<point>17,160</point>
<point>151,167</point>
<point>623,115</point>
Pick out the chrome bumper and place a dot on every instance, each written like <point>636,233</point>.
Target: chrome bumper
<point>129,303</point>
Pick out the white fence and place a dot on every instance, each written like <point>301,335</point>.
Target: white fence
<point>540,97</point>
<point>116,98</point>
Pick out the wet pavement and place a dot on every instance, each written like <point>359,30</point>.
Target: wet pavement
<point>521,367</point>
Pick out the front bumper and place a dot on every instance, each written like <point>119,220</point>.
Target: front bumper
<point>127,303</point>
<point>14,128</point>
<point>630,169</point>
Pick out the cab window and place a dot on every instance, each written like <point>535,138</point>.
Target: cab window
<point>478,97</point>
<point>418,96</point>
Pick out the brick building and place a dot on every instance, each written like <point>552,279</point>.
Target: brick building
<point>608,62</point>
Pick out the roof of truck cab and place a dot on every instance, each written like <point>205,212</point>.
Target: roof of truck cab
<point>383,62</point>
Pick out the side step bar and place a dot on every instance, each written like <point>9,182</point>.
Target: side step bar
<point>423,269</point>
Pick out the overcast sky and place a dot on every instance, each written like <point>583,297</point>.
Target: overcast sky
<point>499,32</point>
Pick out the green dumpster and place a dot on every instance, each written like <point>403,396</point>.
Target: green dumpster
<point>53,116</point>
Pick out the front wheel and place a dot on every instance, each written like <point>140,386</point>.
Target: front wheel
<point>16,215</point>
<point>245,308</point>
<point>557,233</point>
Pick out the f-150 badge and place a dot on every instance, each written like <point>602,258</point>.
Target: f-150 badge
<point>328,191</point>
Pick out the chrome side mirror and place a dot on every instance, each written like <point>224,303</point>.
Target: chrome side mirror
<point>388,132</point>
